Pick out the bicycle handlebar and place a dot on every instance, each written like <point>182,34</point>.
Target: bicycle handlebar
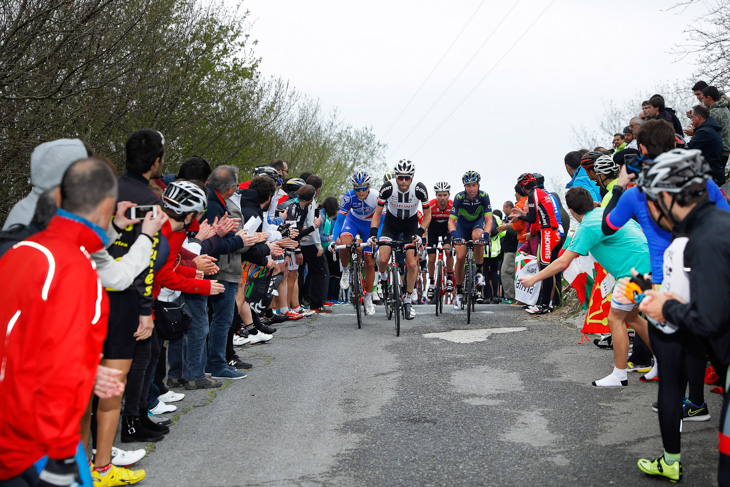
<point>395,243</point>
<point>351,245</point>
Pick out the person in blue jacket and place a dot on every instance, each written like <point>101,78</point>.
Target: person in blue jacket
<point>579,175</point>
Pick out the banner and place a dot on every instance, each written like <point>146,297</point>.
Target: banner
<point>600,302</point>
<point>259,287</point>
<point>526,265</point>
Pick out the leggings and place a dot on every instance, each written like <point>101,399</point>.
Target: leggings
<point>136,392</point>
<point>491,276</point>
<point>681,358</point>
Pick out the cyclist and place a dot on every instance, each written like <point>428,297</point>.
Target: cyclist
<point>541,210</point>
<point>355,215</point>
<point>471,216</point>
<point>402,197</point>
<point>606,171</point>
<point>439,227</point>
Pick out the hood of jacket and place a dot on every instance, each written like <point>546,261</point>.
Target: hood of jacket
<point>711,124</point>
<point>250,199</point>
<point>721,103</point>
<point>48,162</point>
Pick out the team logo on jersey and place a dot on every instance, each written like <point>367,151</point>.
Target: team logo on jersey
<point>346,198</point>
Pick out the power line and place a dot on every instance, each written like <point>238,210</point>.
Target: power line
<point>484,77</point>
<point>455,78</point>
<point>433,70</point>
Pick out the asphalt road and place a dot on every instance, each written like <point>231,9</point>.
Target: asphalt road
<point>506,400</point>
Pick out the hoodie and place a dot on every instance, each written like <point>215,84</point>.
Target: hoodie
<point>580,178</point>
<point>708,139</point>
<point>719,111</point>
<point>48,162</point>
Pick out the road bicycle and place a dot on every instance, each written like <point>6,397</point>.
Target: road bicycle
<point>440,275</point>
<point>470,288</point>
<point>393,293</point>
<point>357,283</point>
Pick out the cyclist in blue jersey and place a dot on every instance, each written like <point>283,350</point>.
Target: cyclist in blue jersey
<point>471,216</point>
<point>354,218</point>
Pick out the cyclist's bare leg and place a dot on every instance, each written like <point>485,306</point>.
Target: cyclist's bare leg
<point>460,260</point>
<point>346,239</point>
<point>369,272</point>
<point>412,269</point>
<point>449,258</point>
<point>476,234</point>
<point>383,257</point>
<point>432,265</point>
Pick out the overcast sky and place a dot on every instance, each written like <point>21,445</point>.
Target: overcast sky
<point>540,72</point>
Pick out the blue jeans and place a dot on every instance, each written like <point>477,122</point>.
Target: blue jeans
<point>194,339</point>
<point>222,306</point>
<point>176,357</point>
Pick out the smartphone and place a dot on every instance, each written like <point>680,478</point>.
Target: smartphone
<point>138,212</point>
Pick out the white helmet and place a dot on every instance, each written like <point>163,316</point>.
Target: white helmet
<point>442,186</point>
<point>404,167</point>
<point>184,197</point>
<point>605,165</point>
<point>673,171</point>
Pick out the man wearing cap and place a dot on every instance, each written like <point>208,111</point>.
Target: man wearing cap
<point>579,175</point>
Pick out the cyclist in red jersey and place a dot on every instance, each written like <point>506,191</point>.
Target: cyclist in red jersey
<point>541,212</point>
<point>439,227</point>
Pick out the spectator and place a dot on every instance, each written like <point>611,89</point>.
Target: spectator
<point>708,138</point>
<point>628,136</point>
<point>61,369</point>
<point>193,169</point>
<point>509,249</point>
<point>619,143</point>
<point>697,91</point>
<point>657,109</point>
<point>720,112</point>
<point>634,125</point>
<point>579,175</point>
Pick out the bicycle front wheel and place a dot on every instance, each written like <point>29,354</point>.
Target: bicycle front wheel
<point>395,290</point>
<point>439,284</point>
<point>356,291</point>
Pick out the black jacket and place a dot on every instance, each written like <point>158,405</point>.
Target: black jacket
<point>706,259</point>
<point>708,139</point>
<point>217,208</point>
<point>250,207</point>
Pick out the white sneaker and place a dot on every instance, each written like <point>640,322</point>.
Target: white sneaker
<point>480,280</point>
<point>369,306</point>
<point>459,301</point>
<point>171,396</point>
<point>123,458</point>
<point>345,279</point>
<point>239,341</point>
<point>260,337</point>
<point>303,311</point>
<point>163,408</point>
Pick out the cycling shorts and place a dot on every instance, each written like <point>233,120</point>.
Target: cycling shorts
<point>400,229</point>
<point>465,227</point>
<point>353,227</point>
<point>436,230</point>
<point>291,260</point>
<point>549,245</point>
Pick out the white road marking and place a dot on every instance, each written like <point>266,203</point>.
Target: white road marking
<point>471,336</point>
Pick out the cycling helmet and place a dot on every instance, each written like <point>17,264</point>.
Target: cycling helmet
<point>539,179</point>
<point>527,181</point>
<point>293,184</point>
<point>442,186</point>
<point>388,176</point>
<point>184,197</point>
<point>404,167</point>
<point>674,172</point>
<point>267,171</point>
<point>589,159</point>
<point>679,141</point>
<point>471,177</point>
<point>360,178</point>
<point>606,165</point>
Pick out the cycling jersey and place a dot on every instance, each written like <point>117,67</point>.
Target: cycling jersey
<point>556,207</point>
<point>469,209</point>
<point>356,211</point>
<point>439,216</point>
<point>540,209</point>
<point>403,205</point>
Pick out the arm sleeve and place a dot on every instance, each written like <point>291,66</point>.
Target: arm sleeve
<point>167,277</point>
<point>618,211</point>
<point>487,204</point>
<point>715,194</point>
<point>531,216</point>
<point>185,271</point>
<point>258,254</point>
<point>144,281</point>
<point>386,190</point>
<point>338,225</point>
<point>120,274</point>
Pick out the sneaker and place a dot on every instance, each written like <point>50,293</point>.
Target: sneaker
<point>544,310</point>
<point>228,373</point>
<point>202,383</point>
<point>239,341</point>
<point>659,467</point>
<point>604,342</point>
<point>480,280</point>
<point>279,318</point>
<point>328,303</point>
<point>171,396</point>
<point>644,379</point>
<point>159,420</point>
<point>408,311</point>
<point>459,301</point>
<point>533,309</point>
<point>321,310</point>
<point>173,382</point>
<point>369,306</point>
<point>345,279</point>
<point>239,364</point>
<point>430,292</point>
<point>269,330</point>
<point>655,407</point>
<point>117,476</point>
<point>124,458</point>
<point>163,408</point>
<point>690,412</point>
<point>260,337</point>
<point>304,311</point>
<point>294,316</point>
<point>633,367</point>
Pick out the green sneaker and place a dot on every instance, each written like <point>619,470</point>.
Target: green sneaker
<point>659,467</point>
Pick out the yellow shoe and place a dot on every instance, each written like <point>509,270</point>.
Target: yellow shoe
<point>117,476</point>
<point>659,467</point>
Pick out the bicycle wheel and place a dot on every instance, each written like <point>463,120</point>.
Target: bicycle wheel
<point>395,291</point>
<point>468,288</point>
<point>387,299</point>
<point>437,289</point>
<point>355,290</point>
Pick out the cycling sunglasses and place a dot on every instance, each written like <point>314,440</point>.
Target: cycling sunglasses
<point>361,188</point>
<point>403,178</point>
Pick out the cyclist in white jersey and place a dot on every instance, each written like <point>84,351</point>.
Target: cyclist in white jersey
<point>403,199</point>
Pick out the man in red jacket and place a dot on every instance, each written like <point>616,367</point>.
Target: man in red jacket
<point>54,320</point>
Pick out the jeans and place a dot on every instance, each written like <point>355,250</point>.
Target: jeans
<point>194,339</point>
<point>176,358</point>
<point>222,305</point>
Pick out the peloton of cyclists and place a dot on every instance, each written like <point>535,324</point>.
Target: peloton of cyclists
<point>402,196</point>
<point>354,218</point>
<point>471,216</point>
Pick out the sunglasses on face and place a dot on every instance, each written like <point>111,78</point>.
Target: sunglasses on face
<point>362,188</point>
<point>404,178</point>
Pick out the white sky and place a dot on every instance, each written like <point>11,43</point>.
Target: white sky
<point>367,59</point>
